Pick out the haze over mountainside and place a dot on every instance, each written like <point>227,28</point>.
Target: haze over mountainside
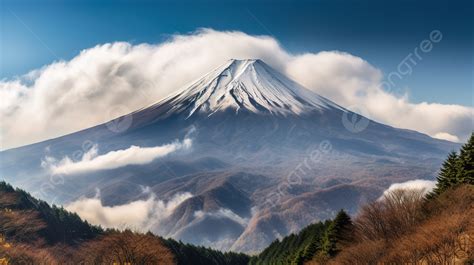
<point>240,157</point>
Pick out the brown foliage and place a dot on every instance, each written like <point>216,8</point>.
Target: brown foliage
<point>391,217</point>
<point>23,244</point>
<point>438,241</point>
<point>20,225</point>
<point>23,254</point>
<point>367,252</point>
<point>404,228</point>
<point>115,248</point>
<point>17,224</point>
<point>125,247</point>
<point>7,200</point>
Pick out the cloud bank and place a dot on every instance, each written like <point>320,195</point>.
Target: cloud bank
<point>91,161</point>
<point>150,214</point>
<point>418,184</point>
<point>446,136</point>
<point>114,79</point>
<point>141,215</point>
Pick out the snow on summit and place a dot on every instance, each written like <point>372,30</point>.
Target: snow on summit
<point>248,85</point>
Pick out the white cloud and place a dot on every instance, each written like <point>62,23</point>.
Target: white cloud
<point>351,81</point>
<point>447,136</point>
<point>114,79</point>
<point>223,213</point>
<point>141,215</point>
<point>91,161</point>
<point>417,184</point>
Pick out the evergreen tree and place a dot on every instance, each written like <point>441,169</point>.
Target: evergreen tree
<point>447,176</point>
<point>339,232</point>
<point>311,249</point>
<point>299,259</point>
<point>456,169</point>
<point>343,227</point>
<point>465,163</point>
<point>295,248</point>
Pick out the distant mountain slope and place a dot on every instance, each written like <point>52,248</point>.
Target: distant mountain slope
<point>403,227</point>
<point>284,153</point>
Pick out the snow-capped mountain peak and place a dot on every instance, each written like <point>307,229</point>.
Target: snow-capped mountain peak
<point>250,85</point>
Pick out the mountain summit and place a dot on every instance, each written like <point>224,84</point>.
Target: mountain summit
<point>247,85</point>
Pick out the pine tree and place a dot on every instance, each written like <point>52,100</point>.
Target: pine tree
<point>298,260</point>
<point>311,249</point>
<point>456,169</point>
<point>447,176</point>
<point>343,229</point>
<point>338,232</point>
<point>465,163</point>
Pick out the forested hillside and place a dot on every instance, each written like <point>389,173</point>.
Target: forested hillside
<point>32,232</point>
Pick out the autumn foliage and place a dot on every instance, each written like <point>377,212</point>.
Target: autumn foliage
<point>27,236</point>
<point>125,247</point>
<point>405,228</point>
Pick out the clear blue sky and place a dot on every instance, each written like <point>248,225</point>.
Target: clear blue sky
<point>35,33</point>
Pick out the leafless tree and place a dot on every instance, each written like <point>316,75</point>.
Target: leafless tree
<point>126,248</point>
<point>390,217</point>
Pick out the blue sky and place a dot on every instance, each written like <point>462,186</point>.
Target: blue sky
<point>36,33</point>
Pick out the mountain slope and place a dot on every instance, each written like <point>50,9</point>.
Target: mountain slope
<point>283,151</point>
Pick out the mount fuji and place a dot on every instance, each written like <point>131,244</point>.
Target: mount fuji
<point>247,85</point>
<point>267,158</point>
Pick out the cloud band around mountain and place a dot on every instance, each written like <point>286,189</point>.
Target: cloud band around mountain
<point>134,155</point>
<point>113,79</point>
